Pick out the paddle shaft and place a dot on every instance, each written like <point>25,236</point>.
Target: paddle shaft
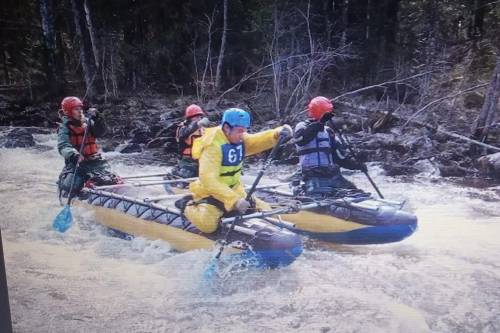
<point>353,153</point>
<point>82,146</point>
<point>266,163</point>
<point>139,184</point>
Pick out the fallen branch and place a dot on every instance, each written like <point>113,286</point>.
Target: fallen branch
<point>442,99</point>
<point>380,85</point>
<point>436,129</point>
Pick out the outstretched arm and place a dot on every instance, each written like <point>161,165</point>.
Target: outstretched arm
<point>262,141</point>
<point>305,132</point>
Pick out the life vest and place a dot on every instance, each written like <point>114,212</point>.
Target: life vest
<point>318,151</point>
<point>232,155</point>
<point>185,146</point>
<point>76,134</point>
<point>232,162</point>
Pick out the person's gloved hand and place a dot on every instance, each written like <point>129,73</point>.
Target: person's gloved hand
<point>326,117</point>
<point>76,158</point>
<point>362,167</point>
<point>92,113</point>
<point>204,122</point>
<point>286,131</point>
<point>242,205</point>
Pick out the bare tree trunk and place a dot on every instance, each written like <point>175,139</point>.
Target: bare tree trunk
<point>49,37</point>
<point>345,19</point>
<point>490,107</point>
<point>5,68</point>
<point>208,60</point>
<point>91,29</point>
<point>86,53</point>
<point>222,50</point>
<point>328,22</point>
<point>274,53</point>
<point>477,18</point>
<point>368,20</point>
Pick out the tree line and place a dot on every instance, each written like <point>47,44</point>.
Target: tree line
<point>290,50</point>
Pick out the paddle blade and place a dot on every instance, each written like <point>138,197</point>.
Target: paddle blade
<point>210,270</point>
<point>63,220</point>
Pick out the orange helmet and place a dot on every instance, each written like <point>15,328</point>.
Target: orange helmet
<point>70,103</point>
<point>318,107</point>
<point>192,111</point>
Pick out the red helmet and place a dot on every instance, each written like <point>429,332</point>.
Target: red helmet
<point>192,111</point>
<point>70,103</point>
<point>318,107</point>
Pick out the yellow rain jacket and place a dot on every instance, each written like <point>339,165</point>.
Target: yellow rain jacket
<point>220,164</point>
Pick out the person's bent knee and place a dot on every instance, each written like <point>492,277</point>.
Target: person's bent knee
<point>204,216</point>
<point>67,181</point>
<point>207,228</point>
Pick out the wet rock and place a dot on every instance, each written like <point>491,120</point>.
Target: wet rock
<point>155,129</point>
<point>129,148</point>
<point>428,167</point>
<point>141,135</point>
<point>171,146</point>
<point>398,169</point>
<point>19,138</point>
<point>168,129</point>
<point>452,170</point>
<point>417,142</point>
<point>380,143</point>
<point>473,100</point>
<point>489,165</point>
<point>110,146</point>
<point>287,154</point>
<point>157,142</point>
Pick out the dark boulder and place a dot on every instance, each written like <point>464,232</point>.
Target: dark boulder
<point>399,169</point>
<point>141,135</point>
<point>489,165</point>
<point>473,100</point>
<point>110,146</point>
<point>129,148</point>
<point>19,138</point>
<point>157,142</point>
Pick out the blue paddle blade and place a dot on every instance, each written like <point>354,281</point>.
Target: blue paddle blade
<point>63,220</point>
<point>210,270</point>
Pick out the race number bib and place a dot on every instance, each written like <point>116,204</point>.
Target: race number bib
<point>232,155</point>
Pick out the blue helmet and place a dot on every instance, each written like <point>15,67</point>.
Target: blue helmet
<point>236,118</point>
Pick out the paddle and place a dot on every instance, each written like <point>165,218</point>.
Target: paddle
<point>210,270</point>
<point>353,153</point>
<point>64,219</point>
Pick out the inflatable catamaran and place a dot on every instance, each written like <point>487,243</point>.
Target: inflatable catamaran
<point>353,218</point>
<point>257,241</point>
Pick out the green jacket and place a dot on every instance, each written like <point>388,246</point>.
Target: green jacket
<point>66,149</point>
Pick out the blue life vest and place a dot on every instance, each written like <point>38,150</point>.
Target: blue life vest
<point>317,152</point>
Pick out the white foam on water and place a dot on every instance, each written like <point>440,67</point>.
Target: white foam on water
<point>444,278</point>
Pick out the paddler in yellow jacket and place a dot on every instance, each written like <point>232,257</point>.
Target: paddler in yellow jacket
<point>220,152</point>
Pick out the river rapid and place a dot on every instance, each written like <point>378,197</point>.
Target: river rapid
<point>444,278</point>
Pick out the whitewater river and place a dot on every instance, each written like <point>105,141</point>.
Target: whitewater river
<point>444,278</point>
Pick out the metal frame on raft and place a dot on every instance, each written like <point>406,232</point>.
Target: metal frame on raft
<point>266,215</point>
<point>269,188</point>
<point>165,209</point>
<point>398,204</point>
